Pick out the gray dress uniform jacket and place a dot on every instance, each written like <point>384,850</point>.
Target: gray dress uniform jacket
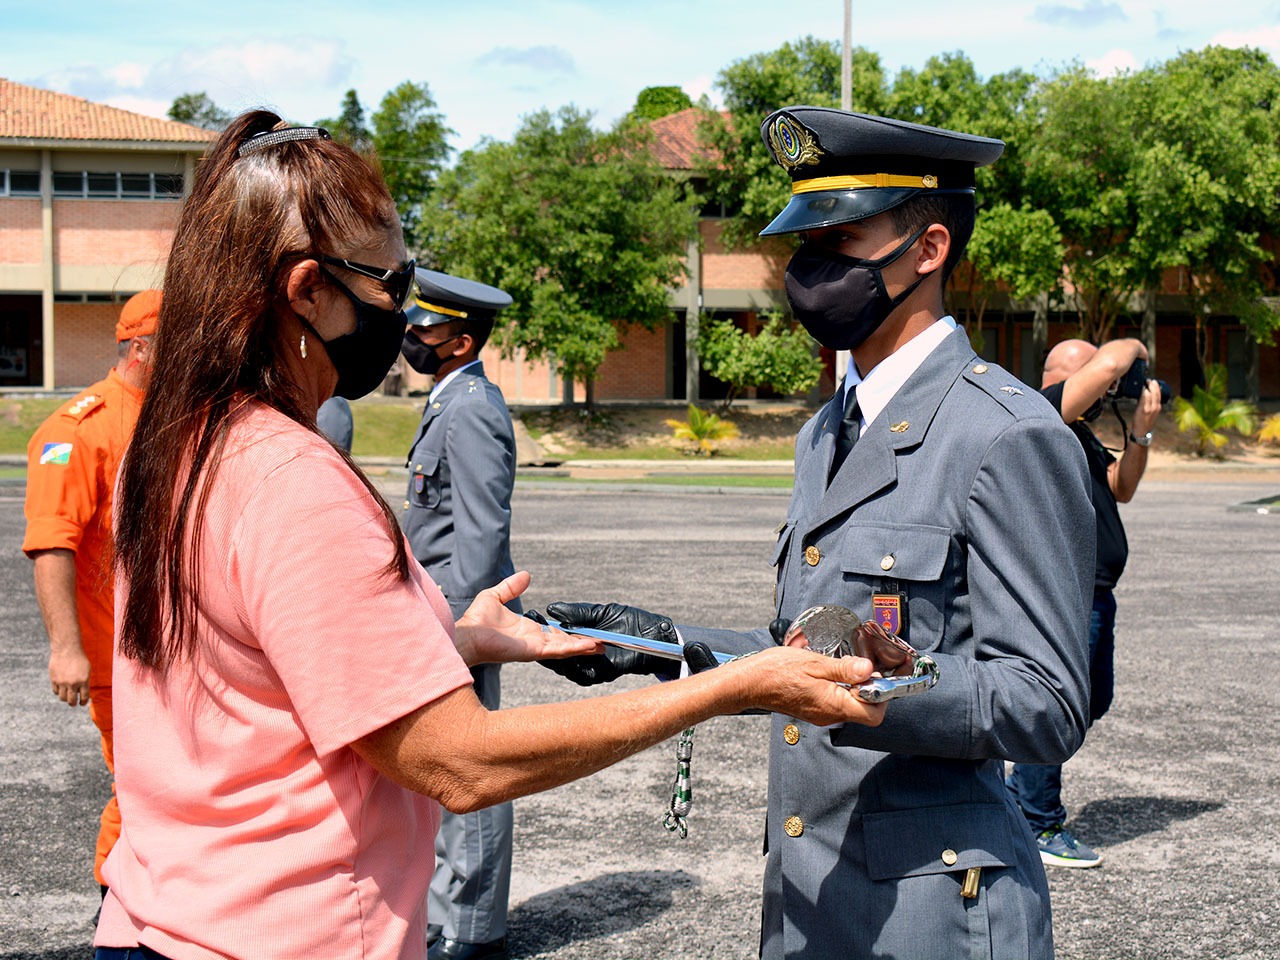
<point>457,517</point>
<point>462,468</point>
<point>970,496</point>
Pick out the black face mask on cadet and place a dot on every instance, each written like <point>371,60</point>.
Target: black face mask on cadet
<point>422,356</point>
<point>364,356</point>
<point>842,300</point>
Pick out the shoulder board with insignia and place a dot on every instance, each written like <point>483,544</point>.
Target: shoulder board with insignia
<point>82,405</point>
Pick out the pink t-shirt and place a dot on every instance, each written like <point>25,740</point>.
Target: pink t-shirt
<point>251,828</point>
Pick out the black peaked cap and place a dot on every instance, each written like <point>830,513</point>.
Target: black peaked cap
<point>441,298</point>
<point>849,166</point>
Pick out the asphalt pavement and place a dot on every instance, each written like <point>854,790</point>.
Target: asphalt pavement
<point>1177,786</point>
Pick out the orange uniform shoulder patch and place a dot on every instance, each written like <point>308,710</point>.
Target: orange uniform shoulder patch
<point>82,405</point>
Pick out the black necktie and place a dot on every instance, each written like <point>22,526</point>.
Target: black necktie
<point>847,435</point>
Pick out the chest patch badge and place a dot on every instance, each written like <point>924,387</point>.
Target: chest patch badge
<point>55,453</point>
<point>886,610</point>
<point>419,481</point>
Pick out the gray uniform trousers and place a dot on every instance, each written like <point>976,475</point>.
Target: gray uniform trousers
<point>968,497</point>
<point>457,517</point>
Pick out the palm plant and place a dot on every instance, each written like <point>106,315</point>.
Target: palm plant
<point>1270,432</point>
<point>1208,413</point>
<point>702,429</point>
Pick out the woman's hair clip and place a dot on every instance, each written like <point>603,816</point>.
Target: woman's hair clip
<point>269,138</point>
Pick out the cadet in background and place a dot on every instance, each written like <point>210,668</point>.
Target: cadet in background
<point>457,516</point>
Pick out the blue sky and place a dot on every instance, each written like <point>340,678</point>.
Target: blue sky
<point>490,62</point>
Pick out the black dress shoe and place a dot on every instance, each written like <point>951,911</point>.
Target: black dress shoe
<point>446,949</point>
<point>434,931</point>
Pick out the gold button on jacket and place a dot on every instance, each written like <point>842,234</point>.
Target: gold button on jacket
<point>949,857</point>
<point>793,826</point>
<point>791,734</point>
<point>812,555</point>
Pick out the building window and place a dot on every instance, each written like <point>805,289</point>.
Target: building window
<point>19,183</point>
<point>118,186</point>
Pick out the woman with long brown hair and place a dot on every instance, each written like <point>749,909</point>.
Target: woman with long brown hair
<point>293,699</point>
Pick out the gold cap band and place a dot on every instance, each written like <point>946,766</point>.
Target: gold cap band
<point>854,182</point>
<point>462,314</point>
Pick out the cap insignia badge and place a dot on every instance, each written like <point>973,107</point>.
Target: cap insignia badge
<point>792,144</point>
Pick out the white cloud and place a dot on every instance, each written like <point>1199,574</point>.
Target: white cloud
<point>147,106</point>
<point>1113,62</point>
<point>128,76</point>
<point>1266,38</point>
<point>700,85</point>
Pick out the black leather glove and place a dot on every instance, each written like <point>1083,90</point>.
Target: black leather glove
<point>615,661</point>
<point>778,630</point>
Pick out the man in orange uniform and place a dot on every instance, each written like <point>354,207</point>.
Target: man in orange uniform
<point>72,461</point>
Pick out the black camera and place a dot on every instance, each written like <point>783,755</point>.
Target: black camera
<point>1131,385</point>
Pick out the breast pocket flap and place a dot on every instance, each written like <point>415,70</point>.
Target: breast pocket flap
<point>903,551</point>
<point>915,843</point>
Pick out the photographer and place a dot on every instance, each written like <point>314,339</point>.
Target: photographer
<point>1078,379</point>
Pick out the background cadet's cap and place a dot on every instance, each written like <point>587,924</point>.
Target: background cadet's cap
<point>850,166</point>
<point>138,318</point>
<point>441,298</point>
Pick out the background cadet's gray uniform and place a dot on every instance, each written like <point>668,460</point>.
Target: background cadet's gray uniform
<point>457,517</point>
<point>974,502</point>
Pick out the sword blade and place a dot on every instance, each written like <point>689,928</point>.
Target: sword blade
<point>657,648</point>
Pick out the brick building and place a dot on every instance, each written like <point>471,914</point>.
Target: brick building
<point>89,197</point>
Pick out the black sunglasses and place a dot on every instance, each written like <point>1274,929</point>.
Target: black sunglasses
<point>399,284</point>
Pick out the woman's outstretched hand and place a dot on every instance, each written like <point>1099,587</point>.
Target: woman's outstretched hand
<point>490,633</point>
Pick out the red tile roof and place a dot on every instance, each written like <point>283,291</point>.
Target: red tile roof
<point>675,141</point>
<point>28,113</point>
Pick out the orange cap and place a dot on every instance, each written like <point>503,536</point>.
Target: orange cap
<point>138,318</point>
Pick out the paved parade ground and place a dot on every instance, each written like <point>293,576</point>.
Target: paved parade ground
<point>1178,787</point>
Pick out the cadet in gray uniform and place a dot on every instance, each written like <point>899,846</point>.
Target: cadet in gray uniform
<point>946,499</point>
<point>457,517</point>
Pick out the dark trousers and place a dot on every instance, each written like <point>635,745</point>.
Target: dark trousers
<point>126,953</point>
<point>1036,787</point>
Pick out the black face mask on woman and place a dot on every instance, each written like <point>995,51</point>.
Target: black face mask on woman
<point>422,356</point>
<point>364,356</point>
<point>842,300</point>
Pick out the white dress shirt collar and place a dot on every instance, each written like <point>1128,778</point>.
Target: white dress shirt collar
<point>441,384</point>
<point>886,378</point>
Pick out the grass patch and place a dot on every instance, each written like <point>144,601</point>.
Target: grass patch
<point>385,429</point>
<point>385,426</point>
<point>19,419</point>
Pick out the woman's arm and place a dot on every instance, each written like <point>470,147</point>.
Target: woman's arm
<point>468,757</point>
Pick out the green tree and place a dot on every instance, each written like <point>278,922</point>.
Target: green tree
<point>739,173</point>
<point>778,356</point>
<point>411,142</point>
<point>198,110</point>
<point>656,102</point>
<point>1205,178</point>
<point>581,227</point>
<point>349,126</point>
<point>1080,169</point>
<point>1017,250</point>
